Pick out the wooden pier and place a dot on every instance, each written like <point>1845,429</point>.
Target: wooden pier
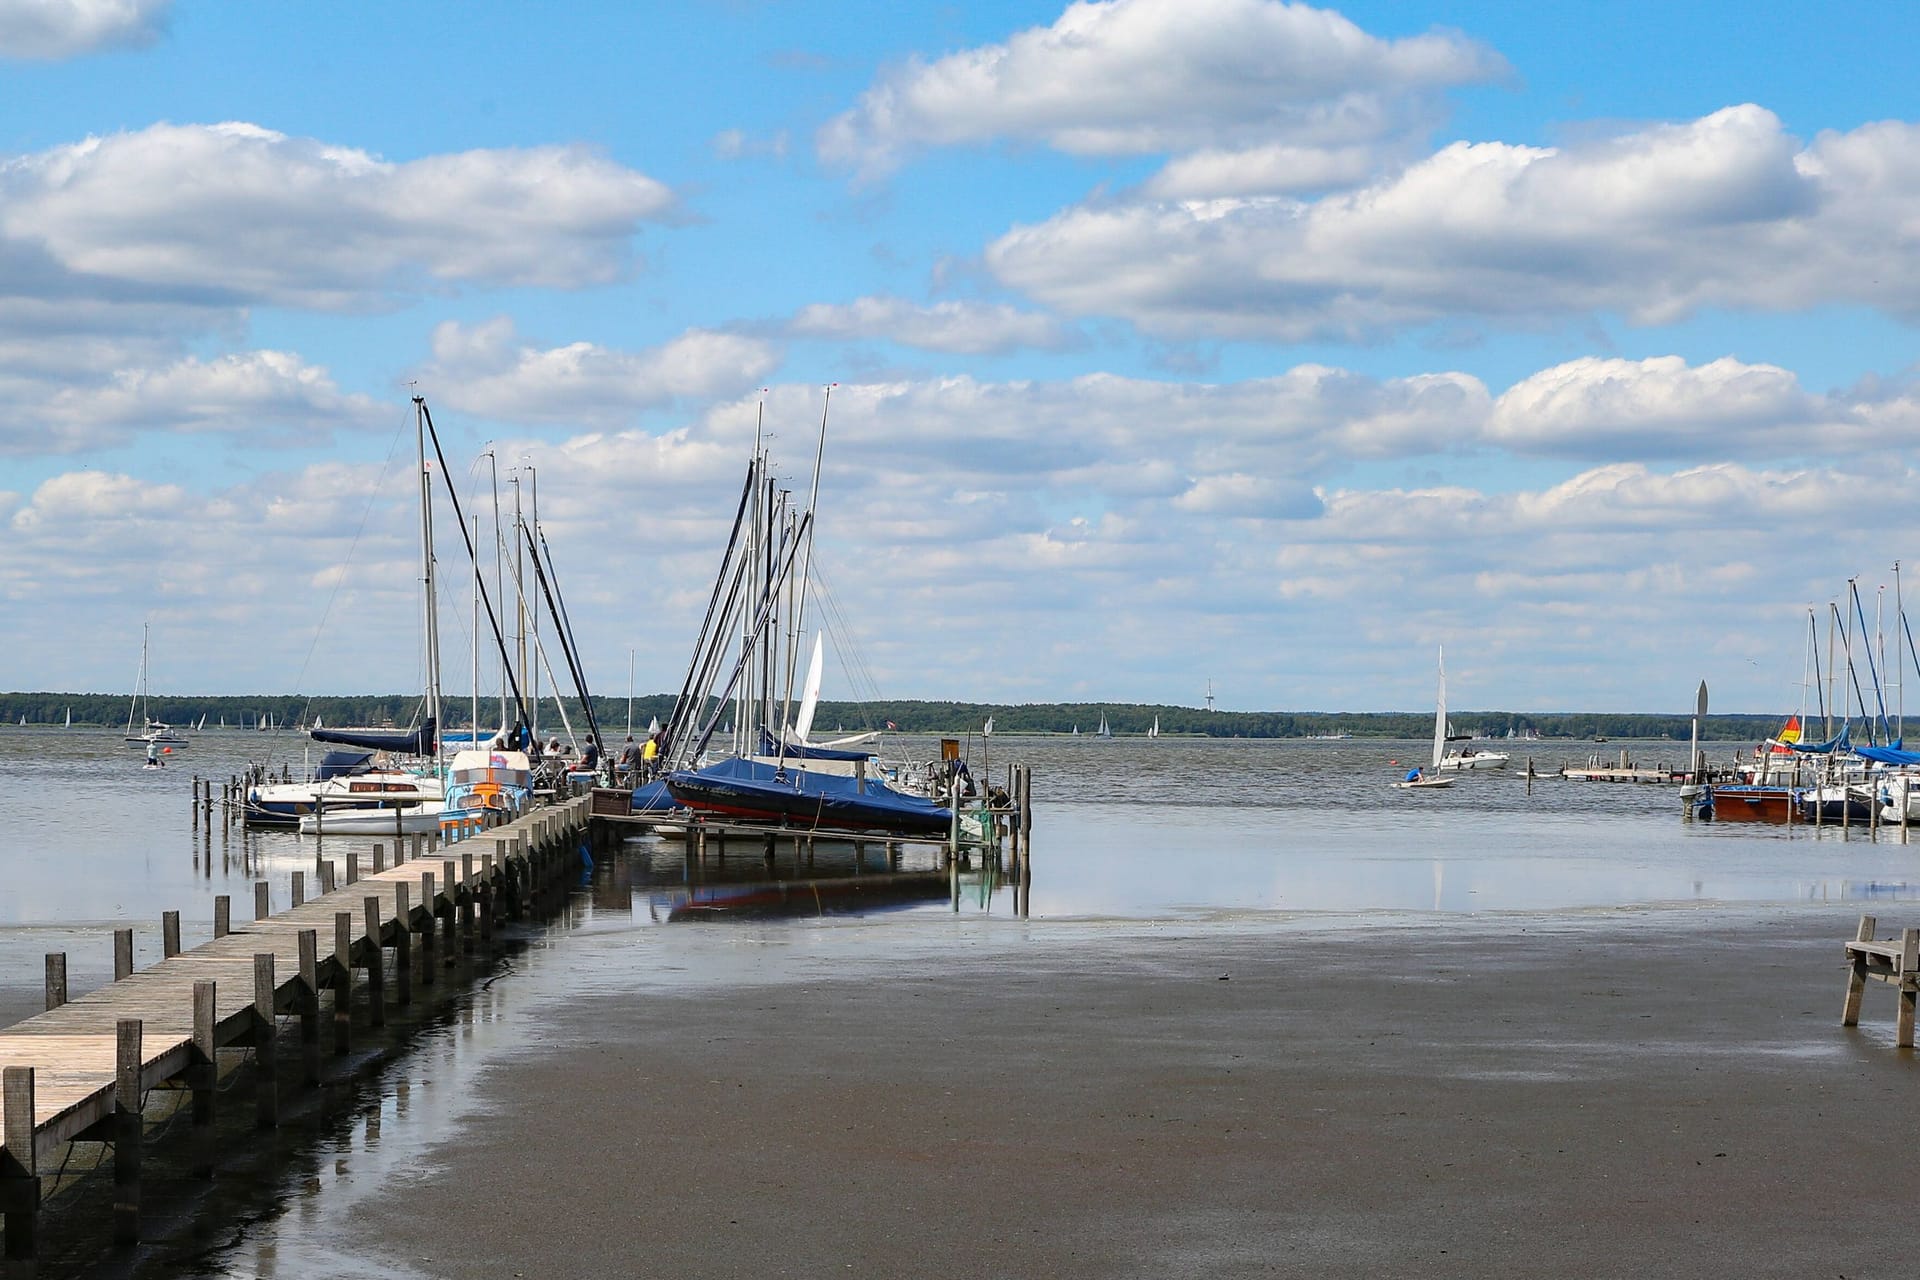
<point>81,1070</point>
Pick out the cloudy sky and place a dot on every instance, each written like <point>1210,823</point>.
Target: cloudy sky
<point>1171,341</point>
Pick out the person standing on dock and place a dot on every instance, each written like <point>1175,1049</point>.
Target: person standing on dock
<point>629,763</point>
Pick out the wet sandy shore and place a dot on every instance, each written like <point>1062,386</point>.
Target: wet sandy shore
<point>1645,1094</point>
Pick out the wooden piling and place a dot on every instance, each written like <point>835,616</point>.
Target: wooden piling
<point>342,982</point>
<point>376,966</point>
<point>126,1131</point>
<point>299,888</point>
<point>310,1005</point>
<point>169,934</point>
<point>202,1076</point>
<point>262,900</point>
<point>426,934</point>
<point>266,1073</point>
<point>19,1173</point>
<point>122,954</point>
<point>222,916</point>
<point>353,868</point>
<point>466,902</point>
<point>326,878</point>
<point>402,945</point>
<point>56,979</point>
<point>448,874</point>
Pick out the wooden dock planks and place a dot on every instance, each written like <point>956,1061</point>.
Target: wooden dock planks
<point>72,1050</point>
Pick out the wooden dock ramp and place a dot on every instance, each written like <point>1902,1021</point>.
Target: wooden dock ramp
<point>81,1070</point>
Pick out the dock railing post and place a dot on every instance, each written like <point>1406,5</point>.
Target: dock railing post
<point>466,902</point>
<point>122,954</point>
<point>299,889</point>
<point>326,877</point>
<point>56,979</point>
<point>403,943</point>
<point>379,857</point>
<point>266,1096</point>
<point>451,878</point>
<point>169,934</point>
<point>342,982</point>
<point>426,934</point>
<point>19,1173</point>
<point>222,916</point>
<point>202,1076</point>
<point>376,966</point>
<point>126,1131</point>
<point>310,1005</point>
<point>262,900</point>
<point>353,868</point>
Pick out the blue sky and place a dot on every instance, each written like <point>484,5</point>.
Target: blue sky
<point>1216,340</point>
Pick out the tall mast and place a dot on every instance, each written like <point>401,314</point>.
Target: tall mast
<point>474,721</point>
<point>499,585</point>
<point>533,495</point>
<point>1900,680</point>
<point>432,621</point>
<point>519,595</point>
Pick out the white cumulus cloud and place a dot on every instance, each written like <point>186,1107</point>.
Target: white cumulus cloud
<point>51,29</point>
<point>1724,211</point>
<point>962,327</point>
<point>1126,77</point>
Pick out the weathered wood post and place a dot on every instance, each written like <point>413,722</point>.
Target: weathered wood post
<point>299,888</point>
<point>450,874</point>
<point>126,1131</point>
<point>427,933</point>
<point>353,868</point>
<point>342,982</point>
<point>122,954</point>
<point>202,1076</point>
<point>262,900</point>
<point>310,1006</point>
<point>376,966</point>
<point>484,903</point>
<point>169,934</point>
<point>326,878</point>
<point>1909,987</point>
<point>19,1173</point>
<point>466,903</point>
<point>266,1073</point>
<point>222,916</point>
<point>56,979</point>
<point>403,943</point>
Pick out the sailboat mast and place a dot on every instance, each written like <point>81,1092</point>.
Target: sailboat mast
<point>1440,712</point>
<point>499,582</point>
<point>431,620</point>
<point>1900,661</point>
<point>533,540</point>
<point>806,557</point>
<point>474,722</point>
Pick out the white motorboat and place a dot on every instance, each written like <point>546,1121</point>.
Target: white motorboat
<point>1469,758</point>
<point>422,818</point>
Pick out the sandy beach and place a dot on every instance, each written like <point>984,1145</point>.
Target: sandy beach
<point>1615,1094</point>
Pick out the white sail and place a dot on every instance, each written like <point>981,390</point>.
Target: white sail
<point>986,730</point>
<point>1440,713</point>
<point>1155,731</point>
<point>810,695</point>
<point>69,717</point>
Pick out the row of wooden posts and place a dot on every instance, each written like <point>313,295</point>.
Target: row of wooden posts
<point>522,875</point>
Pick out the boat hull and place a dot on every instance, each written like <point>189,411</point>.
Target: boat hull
<point>797,798</point>
<point>1754,804</point>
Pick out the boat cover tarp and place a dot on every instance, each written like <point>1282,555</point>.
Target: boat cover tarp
<point>797,751</point>
<point>653,797</point>
<point>342,764</point>
<point>407,742</point>
<point>1888,755</point>
<point>765,792</point>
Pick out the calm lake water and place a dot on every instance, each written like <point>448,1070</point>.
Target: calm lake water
<point>1128,834</point>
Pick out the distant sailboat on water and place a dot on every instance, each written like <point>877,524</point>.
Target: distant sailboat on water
<point>69,717</point>
<point>1103,731</point>
<point>986,730</point>
<point>1155,731</point>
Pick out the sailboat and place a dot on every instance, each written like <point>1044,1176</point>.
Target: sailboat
<point>1155,731</point>
<point>156,733</point>
<point>69,717</point>
<point>1103,731</point>
<point>986,730</point>
<point>1421,779</point>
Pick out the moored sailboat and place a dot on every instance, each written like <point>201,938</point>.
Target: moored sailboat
<point>1421,779</point>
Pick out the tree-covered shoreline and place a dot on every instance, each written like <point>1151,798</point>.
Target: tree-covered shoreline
<point>949,718</point>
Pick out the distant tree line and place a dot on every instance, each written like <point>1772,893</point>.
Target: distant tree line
<point>945,718</point>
